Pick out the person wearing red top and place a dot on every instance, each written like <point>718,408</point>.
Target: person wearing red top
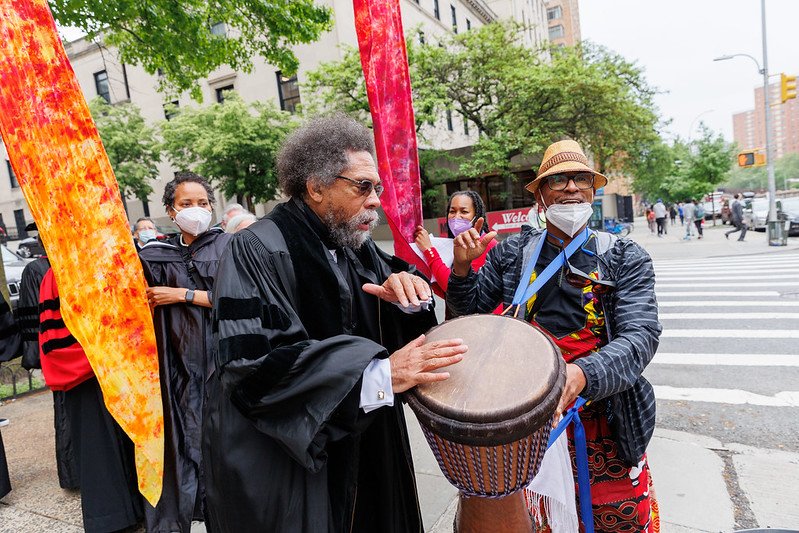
<point>463,210</point>
<point>106,471</point>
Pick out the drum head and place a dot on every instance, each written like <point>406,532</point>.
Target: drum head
<point>510,380</point>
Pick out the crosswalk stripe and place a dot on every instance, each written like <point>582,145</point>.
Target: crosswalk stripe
<point>725,284</point>
<point>734,259</point>
<point>729,396</point>
<point>730,333</point>
<point>732,304</point>
<point>708,278</point>
<point>715,293</point>
<point>726,359</point>
<point>731,315</point>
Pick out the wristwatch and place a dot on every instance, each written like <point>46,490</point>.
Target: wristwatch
<point>190,296</point>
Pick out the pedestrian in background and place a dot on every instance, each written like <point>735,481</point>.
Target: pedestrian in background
<point>688,217</point>
<point>681,212</point>
<point>672,214</point>
<point>143,232</point>
<point>699,218</point>
<point>232,210</point>
<point>660,212</point>
<point>737,218</point>
<point>650,220</point>
<point>239,222</point>
<point>9,349</point>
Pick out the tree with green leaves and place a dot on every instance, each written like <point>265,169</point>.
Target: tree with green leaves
<point>131,145</point>
<point>518,99</point>
<point>185,40</point>
<point>706,165</point>
<point>233,144</point>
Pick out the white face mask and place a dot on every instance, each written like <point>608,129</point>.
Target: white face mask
<point>193,220</point>
<point>570,218</point>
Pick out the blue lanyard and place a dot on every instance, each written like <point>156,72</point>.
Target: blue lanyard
<point>527,290</point>
<point>581,457</point>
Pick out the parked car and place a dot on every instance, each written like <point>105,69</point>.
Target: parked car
<point>789,208</point>
<point>30,247</point>
<point>13,266</point>
<point>755,213</point>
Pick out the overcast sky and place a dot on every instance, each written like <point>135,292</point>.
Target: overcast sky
<point>676,40</point>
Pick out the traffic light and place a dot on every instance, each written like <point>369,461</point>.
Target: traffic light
<point>751,158</point>
<point>746,159</point>
<point>787,87</point>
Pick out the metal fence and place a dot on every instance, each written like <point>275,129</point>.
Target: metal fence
<point>16,381</point>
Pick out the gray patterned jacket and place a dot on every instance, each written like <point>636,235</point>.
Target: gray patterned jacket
<point>630,310</point>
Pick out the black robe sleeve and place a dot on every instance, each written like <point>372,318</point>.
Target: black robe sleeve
<point>9,333</point>
<point>291,387</point>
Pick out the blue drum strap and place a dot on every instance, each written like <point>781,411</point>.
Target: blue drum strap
<point>526,290</point>
<point>581,452</point>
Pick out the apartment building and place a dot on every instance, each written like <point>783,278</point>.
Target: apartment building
<point>563,22</point>
<point>100,73</point>
<point>749,127</point>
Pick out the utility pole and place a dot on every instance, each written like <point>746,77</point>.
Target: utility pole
<point>775,228</point>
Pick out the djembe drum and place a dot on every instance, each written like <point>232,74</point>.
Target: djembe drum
<point>488,424</point>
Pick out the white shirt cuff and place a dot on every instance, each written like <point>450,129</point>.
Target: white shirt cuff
<point>376,388</point>
<point>423,306</point>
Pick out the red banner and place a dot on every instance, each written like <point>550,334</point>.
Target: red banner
<point>384,60</point>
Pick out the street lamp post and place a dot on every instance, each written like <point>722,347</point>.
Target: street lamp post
<point>775,228</point>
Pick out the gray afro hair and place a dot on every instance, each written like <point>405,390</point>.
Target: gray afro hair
<point>318,150</point>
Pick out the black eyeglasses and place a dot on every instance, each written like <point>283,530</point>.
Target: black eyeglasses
<point>558,182</point>
<point>365,187</point>
<point>577,278</point>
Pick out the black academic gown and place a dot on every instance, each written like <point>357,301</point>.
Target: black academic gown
<point>28,319</point>
<point>184,339</point>
<point>9,349</point>
<point>286,445</point>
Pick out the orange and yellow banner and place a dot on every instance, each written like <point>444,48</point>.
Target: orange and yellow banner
<point>66,178</point>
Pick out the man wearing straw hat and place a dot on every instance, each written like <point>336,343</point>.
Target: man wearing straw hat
<point>595,298</point>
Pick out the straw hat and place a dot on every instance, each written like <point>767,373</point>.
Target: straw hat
<point>564,156</point>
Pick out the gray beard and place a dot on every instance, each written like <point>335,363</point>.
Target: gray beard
<point>345,232</point>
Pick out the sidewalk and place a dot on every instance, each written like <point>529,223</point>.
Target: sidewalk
<point>691,476</point>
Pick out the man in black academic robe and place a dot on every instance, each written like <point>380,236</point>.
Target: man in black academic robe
<point>292,439</point>
<point>28,319</point>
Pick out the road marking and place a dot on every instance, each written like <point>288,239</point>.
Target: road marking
<point>725,359</point>
<point>733,259</point>
<point>729,396</point>
<point>731,333</point>
<point>731,304</point>
<point>716,293</point>
<point>777,279</point>
<point>732,315</point>
<point>724,284</point>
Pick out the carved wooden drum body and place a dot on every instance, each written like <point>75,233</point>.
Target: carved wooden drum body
<point>488,424</point>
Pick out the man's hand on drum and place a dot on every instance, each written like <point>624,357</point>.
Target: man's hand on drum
<point>575,383</point>
<point>417,362</point>
<point>402,288</point>
<point>468,246</point>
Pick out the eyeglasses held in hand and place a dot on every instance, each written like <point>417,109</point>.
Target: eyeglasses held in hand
<point>558,182</point>
<point>364,186</point>
<point>577,278</point>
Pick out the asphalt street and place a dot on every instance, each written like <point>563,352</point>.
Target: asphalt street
<point>728,362</point>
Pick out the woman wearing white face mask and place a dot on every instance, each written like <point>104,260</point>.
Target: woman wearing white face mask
<point>180,272</point>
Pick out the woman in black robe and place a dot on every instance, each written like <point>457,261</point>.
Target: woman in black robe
<point>9,349</point>
<point>180,273</point>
